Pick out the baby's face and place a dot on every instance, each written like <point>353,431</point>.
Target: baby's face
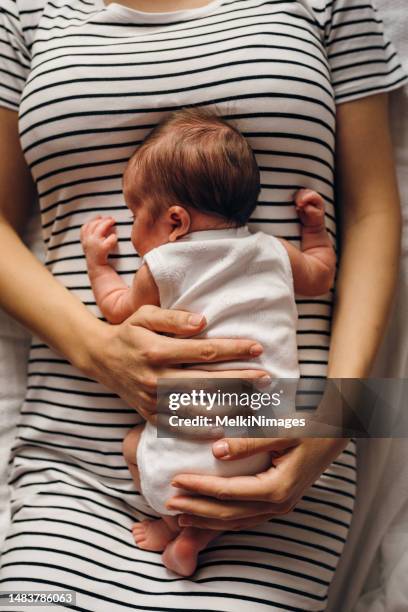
<point>157,222</point>
<point>148,232</point>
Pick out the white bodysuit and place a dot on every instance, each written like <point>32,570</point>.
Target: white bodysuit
<point>243,284</point>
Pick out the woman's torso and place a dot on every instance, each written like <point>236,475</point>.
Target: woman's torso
<point>99,82</point>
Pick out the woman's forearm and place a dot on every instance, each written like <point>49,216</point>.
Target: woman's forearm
<point>30,294</point>
<point>370,227</point>
<point>365,287</point>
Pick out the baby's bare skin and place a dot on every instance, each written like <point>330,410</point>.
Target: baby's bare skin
<point>313,269</point>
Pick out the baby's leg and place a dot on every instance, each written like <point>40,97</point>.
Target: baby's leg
<point>181,554</point>
<point>151,535</point>
<point>181,545</point>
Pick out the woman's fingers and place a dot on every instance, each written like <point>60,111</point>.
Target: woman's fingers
<point>175,350</point>
<point>165,321</point>
<point>238,448</point>
<point>147,401</point>
<point>187,374</point>
<point>171,351</point>
<point>214,350</point>
<point>265,487</point>
<point>211,508</point>
<point>188,520</point>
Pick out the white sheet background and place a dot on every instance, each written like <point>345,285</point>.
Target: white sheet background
<point>375,559</point>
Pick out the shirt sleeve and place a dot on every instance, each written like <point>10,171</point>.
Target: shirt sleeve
<point>14,55</point>
<point>363,61</point>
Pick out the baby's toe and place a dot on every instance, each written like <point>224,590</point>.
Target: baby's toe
<point>139,533</point>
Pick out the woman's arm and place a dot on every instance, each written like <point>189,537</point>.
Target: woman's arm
<point>370,226</point>
<point>370,242</point>
<point>28,291</point>
<point>127,358</point>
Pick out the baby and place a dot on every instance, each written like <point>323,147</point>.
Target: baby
<point>192,186</point>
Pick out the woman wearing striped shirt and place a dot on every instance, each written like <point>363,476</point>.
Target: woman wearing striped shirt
<point>83,81</point>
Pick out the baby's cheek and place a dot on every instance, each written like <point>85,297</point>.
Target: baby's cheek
<point>136,240</point>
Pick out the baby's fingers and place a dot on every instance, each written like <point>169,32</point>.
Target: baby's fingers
<point>103,226</point>
<point>87,227</point>
<point>110,242</point>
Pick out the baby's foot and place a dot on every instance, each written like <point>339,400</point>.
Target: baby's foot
<point>152,535</point>
<point>181,554</point>
<point>310,208</point>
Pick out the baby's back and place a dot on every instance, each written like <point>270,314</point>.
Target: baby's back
<point>242,283</point>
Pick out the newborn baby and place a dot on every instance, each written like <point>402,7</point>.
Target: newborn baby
<point>192,186</point>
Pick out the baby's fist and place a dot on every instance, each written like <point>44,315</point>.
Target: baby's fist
<point>310,208</point>
<point>98,238</point>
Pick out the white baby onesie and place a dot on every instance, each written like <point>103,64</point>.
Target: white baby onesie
<point>243,284</point>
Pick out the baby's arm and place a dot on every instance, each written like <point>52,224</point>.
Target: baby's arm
<point>115,299</point>
<point>314,265</point>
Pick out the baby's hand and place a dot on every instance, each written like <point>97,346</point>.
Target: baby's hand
<point>98,238</point>
<point>310,208</point>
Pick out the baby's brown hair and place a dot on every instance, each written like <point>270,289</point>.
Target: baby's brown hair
<point>196,159</point>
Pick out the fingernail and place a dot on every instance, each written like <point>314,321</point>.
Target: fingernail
<point>195,320</point>
<point>262,382</point>
<point>220,449</point>
<point>184,521</point>
<point>255,350</point>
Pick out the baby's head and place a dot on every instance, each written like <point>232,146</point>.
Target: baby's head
<point>193,172</point>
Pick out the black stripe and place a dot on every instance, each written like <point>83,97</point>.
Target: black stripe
<point>184,47</point>
<point>73,555</point>
<point>96,451</point>
<point>379,88</point>
<point>279,536</point>
<point>304,527</point>
<point>179,60</point>
<point>84,423</point>
<point>262,549</point>
<point>96,595</point>
<point>77,35</point>
<point>29,400</point>
<point>200,86</point>
<point>65,434</point>
<point>102,492</point>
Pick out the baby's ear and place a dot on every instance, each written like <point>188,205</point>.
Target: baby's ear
<point>179,221</point>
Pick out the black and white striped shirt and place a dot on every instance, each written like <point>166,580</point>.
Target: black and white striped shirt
<point>89,81</point>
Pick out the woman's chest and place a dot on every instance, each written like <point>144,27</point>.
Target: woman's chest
<point>101,82</point>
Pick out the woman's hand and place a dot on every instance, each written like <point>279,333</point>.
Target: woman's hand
<point>241,502</point>
<point>130,358</point>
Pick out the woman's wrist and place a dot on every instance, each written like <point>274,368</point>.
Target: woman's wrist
<point>87,350</point>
